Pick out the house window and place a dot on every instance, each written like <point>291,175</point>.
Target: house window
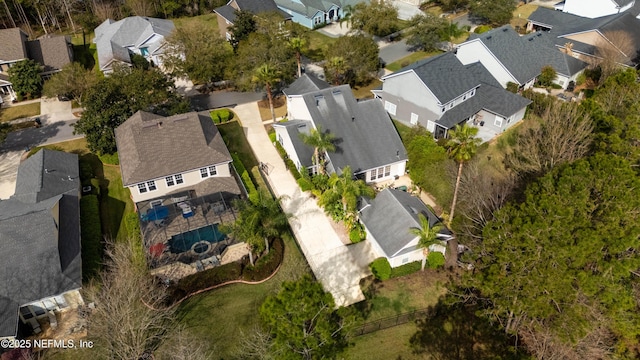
<point>148,186</point>
<point>144,51</point>
<point>498,122</point>
<point>390,107</point>
<point>174,180</point>
<point>380,172</point>
<point>373,174</point>
<point>414,118</point>
<point>208,171</point>
<point>431,126</point>
<point>387,170</point>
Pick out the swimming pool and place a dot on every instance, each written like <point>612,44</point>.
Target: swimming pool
<point>185,242</point>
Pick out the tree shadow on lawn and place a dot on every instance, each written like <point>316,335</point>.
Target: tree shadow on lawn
<point>453,331</point>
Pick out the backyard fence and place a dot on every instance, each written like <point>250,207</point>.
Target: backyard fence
<point>389,322</point>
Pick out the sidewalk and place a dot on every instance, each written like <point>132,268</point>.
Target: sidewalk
<point>339,268</point>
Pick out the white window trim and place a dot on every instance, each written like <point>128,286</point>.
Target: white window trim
<point>208,171</point>
<point>390,107</point>
<point>173,180</point>
<point>147,187</point>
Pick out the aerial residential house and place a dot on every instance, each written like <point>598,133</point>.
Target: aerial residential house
<point>40,243</point>
<point>51,51</point>
<point>162,155</point>
<point>440,93</point>
<point>315,13</point>
<point>594,8</point>
<point>580,36</point>
<point>227,14</point>
<point>511,58</point>
<point>388,220</point>
<point>365,138</point>
<point>117,41</point>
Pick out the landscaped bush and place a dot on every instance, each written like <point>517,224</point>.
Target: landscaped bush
<point>267,264</point>
<point>205,279</point>
<point>381,268</point>
<point>111,159</point>
<point>435,260</point>
<point>482,29</point>
<point>252,192</point>
<point>406,269</point>
<point>305,184</point>
<point>357,233</point>
<point>272,136</point>
<point>91,235</point>
<point>292,167</point>
<point>221,115</point>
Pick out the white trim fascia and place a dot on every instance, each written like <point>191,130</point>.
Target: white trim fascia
<point>184,172</point>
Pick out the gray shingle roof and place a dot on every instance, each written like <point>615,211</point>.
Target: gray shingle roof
<point>113,38</point>
<point>151,146</point>
<point>227,12</point>
<point>253,6</point>
<point>51,51</point>
<point>391,215</point>
<point>12,44</point>
<point>305,84</point>
<point>441,74</point>
<point>543,46</point>
<point>294,129</point>
<point>37,263</point>
<point>365,135</point>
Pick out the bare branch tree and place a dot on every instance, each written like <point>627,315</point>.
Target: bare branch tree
<point>182,346</point>
<point>257,344</point>
<point>563,136</point>
<point>615,48</point>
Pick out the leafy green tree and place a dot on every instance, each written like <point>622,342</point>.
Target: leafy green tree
<point>73,80</point>
<point>341,198</point>
<point>303,322</point>
<point>425,31</point>
<point>257,223</point>
<point>26,80</point>
<point>321,143</point>
<point>453,5</point>
<point>298,44</point>
<point>496,12</point>
<point>267,75</point>
<point>361,57</point>
<point>427,234</point>
<point>547,75</point>
<point>379,17</point>
<point>336,69</point>
<point>113,99</point>
<point>243,26</point>
<point>201,55</point>
<point>564,262</point>
<point>462,145</point>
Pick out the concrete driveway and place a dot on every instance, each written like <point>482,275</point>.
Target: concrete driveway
<point>9,161</point>
<point>338,267</point>
<point>395,51</point>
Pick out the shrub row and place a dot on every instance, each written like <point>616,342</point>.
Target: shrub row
<point>91,235</point>
<point>253,194</point>
<point>406,269</point>
<point>381,268</point>
<point>288,162</point>
<point>435,260</point>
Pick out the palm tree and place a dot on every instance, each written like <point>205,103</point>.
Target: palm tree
<point>266,75</point>
<point>428,236</point>
<point>321,142</point>
<point>462,145</point>
<point>338,67</point>
<point>348,189</point>
<point>256,223</point>
<point>298,44</point>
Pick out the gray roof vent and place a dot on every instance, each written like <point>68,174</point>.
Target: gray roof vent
<point>413,210</point>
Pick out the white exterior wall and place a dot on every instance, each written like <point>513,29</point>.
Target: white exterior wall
<point>404,259</point>
<point>397,169</point>
<point>297,108</point>
<point>592,8</point>
<point>474,51</point>
<point>408,87</point>
<point>190,178</point>
<point>282,136</point>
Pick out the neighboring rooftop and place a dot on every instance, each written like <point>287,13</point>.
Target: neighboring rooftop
<point>53,52</point>
<point>253,6</point>
<point>390,216</point>
<point>442,74</point>
<point>152,146</point>
<point>305,84</point>
<point>294,129</point>
<point>365,136</point>
<point>12,44</point>
<point>45,174</point>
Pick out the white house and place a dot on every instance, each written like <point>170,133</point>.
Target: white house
<point>365,138</point>
<point>440,93</point>
<point>511,58</point>
<point>388,220</point>
<point>40,233</point>
<point>116,41</point>
<point>164,155</point>
<point>594,8</point>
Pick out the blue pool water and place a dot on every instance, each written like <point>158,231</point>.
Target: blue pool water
<point>185,241</point>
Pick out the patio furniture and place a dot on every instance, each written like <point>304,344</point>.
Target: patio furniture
<point>187,211</point>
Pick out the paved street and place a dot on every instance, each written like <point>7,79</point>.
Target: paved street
<point>394,51</point>
<point>338,267</point>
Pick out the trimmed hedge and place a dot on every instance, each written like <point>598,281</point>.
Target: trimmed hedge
<point>381,268</point>
<point>305,184</point>
<point>221,115</point>
<point>91,235</point>
<point>435,260</point>
<point>357,233</point>
<point>253,194</point>
<point>267,264</point>
<point>406,269</point>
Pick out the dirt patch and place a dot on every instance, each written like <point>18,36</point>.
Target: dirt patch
<point>77,114</point>
<point>278,101</point>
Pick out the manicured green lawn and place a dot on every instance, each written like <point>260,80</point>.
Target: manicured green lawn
<point>364,92</point>
<point>19,111</point>
<point>220,317</point>
<point>521,14</point>
<point>233,136</point>
<point>391,343</point>
<point>416,56</point>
